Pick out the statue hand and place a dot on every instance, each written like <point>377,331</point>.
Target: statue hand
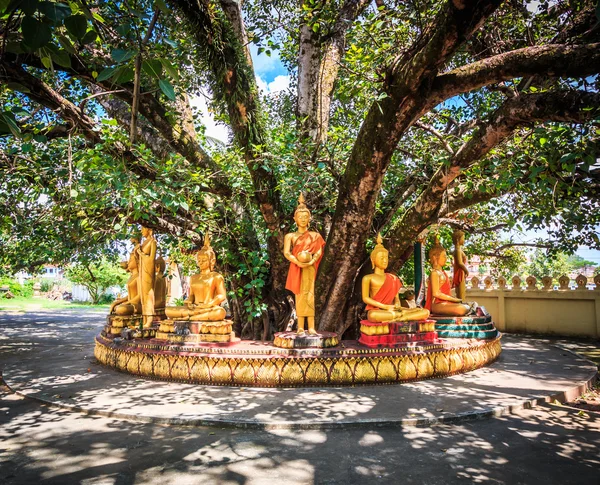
<point>304,265</point>
<point>391,308</point>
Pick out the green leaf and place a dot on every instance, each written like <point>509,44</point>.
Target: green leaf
<point>61,57</point>
<point>162,6</point>
<point>170,68</point>
<point>123,75</point>
<point>543,141</point>
<point>76,25</point>
<point>152,67</point>
<point>105,74</point>
<point>98,17</point>
<point>29,7</point>
<point>89,37</point>
<point>17,87</point>
<point>171,43</point>
<point>46,58</point>
<point>4,5</point>
<point>167,88</point>
<point>14,47</point>
<point>66,44</point>
<point>123,29</point>
<point>10,121</point>
<point>35,33</point>
<point>122,55</point>
<point>55,12</point>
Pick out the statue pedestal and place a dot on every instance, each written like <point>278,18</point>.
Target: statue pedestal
<point>479,326</point>
<point>196,331</point>
<point>159,314</point>
<point>291,340</point>
<point>393,334</point>
<point>116,323</point>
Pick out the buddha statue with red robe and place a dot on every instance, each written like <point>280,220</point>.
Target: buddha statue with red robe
<point>380,292</point>
<point>304,250</point>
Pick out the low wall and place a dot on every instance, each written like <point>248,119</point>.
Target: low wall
<point>565,312</point>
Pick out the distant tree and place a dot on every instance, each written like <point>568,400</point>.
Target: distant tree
<point>97,277</point>
<point>579,263</point>
<point>544,265</point>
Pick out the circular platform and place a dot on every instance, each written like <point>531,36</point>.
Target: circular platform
<point>251,363</point>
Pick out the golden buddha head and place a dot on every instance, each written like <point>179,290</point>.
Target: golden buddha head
<point>302,215</point>
<point>379,255</point>
<point>146,231</point>
<point>160,265</point>
<point>437,254</point>
<point>206,257</point>
<point>458,237</point>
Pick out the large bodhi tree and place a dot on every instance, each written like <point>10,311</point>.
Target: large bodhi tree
<point>402,115</point>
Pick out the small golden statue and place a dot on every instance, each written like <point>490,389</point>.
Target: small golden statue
<point>459,265</point>
<point>147,255</point>
<point>439,301</point>
<point>207,291</point>
<point>380,292</point>
<point>129,305</point>
<point>303,249</point>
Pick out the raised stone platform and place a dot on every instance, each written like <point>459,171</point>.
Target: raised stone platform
<point>250,363</point>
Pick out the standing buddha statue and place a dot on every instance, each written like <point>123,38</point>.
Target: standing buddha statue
<point>439,300</point>
<point>304,250</point>
<point>459,265</point>
<point>147,254</point>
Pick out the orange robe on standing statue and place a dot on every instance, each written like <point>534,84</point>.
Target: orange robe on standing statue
<point>301,281</point>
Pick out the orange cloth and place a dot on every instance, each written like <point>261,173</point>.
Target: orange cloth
<point>309,241</point>
<point>458,275</point>
<point>445,289</point>
<point>388,291</point>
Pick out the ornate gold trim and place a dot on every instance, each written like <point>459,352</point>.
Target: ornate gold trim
<point>263,369</point>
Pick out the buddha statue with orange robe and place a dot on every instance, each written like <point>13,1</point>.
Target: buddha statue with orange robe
<point>459,265</point>
<point>207,291</point>
<point>439,300</point>
<point>380,292</point>
<point>304,250</point>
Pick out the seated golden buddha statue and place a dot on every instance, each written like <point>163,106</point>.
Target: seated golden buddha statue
<point>131,304</point>
<point>380,292</point>
<point>207,291</point>
<point>439,300</point>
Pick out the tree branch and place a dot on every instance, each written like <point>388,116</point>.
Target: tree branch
<point>562,106</point>
<point>553,60</point>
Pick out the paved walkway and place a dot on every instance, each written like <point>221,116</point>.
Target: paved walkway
<point>52,361</point>
<point>547,444</point>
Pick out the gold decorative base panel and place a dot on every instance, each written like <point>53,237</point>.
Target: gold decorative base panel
<point>263,365</point>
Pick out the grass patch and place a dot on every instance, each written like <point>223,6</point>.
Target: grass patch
<point>22,304</point>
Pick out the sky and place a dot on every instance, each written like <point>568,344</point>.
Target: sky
<point>271,77</point>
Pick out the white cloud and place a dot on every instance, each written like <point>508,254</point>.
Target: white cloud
<point>280,83</point>
<point>213,129</point>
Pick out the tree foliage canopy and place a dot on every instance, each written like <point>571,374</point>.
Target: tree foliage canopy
<point>401,115</point>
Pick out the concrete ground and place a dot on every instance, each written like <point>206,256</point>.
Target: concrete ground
<point>38,443</point>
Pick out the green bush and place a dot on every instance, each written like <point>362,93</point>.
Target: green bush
<point>14,286</point>
<point>106,299</point>
<point>46,284</point>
